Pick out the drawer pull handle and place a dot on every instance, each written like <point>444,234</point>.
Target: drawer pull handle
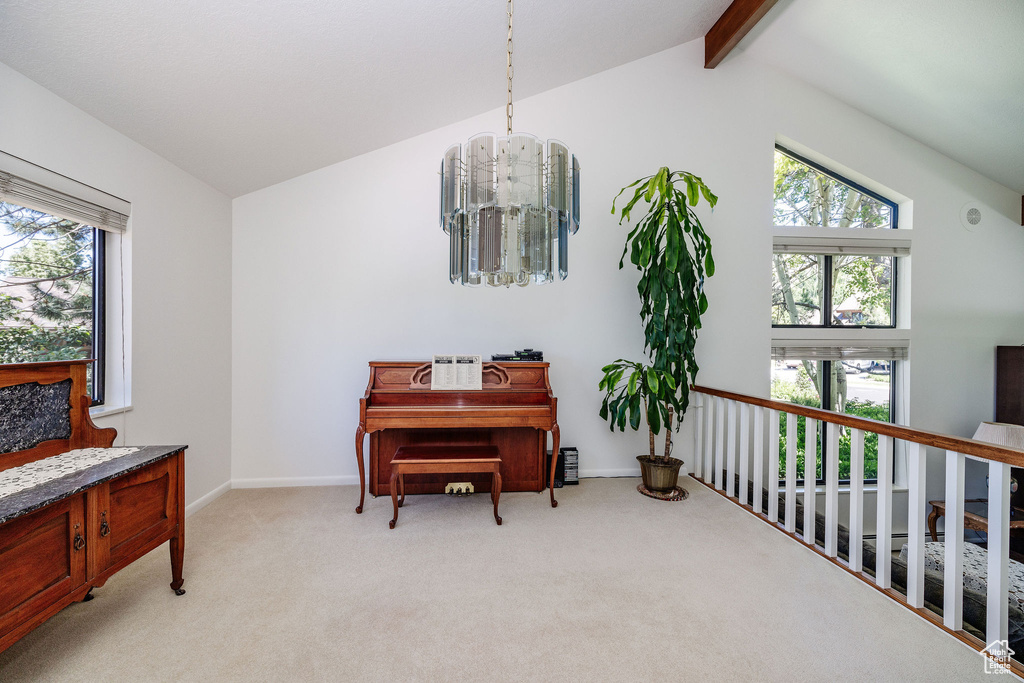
<point>79,541</point>
<point>104,527</point>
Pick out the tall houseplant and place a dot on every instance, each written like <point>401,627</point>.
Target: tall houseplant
<point>673,254</point>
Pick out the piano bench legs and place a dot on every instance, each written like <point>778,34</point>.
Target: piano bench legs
<point>444,460</point>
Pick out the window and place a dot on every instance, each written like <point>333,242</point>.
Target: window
<point>51,290</point>
<point>863,388</point>
<point>834,279</point>
<point>859,290</point>
<point>53,234</point>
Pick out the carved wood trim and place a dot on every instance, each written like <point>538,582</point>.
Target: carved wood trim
<point>421,377</point>
<point>500,375</point>
<point>493,377</point>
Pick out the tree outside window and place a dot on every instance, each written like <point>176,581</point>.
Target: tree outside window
<point>49,295</point>
<point>834,290</point>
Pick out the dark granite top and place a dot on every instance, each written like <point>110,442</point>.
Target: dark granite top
<point>32,413</point>
<point>30,500</point>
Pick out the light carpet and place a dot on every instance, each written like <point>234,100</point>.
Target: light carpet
<point>289,584</point>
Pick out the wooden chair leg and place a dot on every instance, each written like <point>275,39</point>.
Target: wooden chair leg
<point>401,489</point>
<point>932,519</point>
<point>394,497</point>
<point>496,495</point>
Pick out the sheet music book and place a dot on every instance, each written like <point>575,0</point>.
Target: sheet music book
<point>459,373</point>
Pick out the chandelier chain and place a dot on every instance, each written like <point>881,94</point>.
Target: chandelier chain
<point>508,107</point>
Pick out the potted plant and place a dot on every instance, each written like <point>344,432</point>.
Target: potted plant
<point>673,254</point>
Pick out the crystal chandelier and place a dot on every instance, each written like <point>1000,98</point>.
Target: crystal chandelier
<point>508,204</point>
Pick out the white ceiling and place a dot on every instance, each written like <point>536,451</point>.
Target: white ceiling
<point>945,72</point>
<point>246,94</point>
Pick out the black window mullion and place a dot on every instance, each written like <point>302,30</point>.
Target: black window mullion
<point>826,296</point>
<point>99,315</point>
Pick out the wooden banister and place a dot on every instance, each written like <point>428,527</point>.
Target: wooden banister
<point>723,434</point>
<point>977,449</point>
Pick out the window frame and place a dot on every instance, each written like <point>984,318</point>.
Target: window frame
<point>828,275</point>
<point>893,206</point>
<point>98,336</point>
<point>823,436</point>
<point>826,296</point>
<point>99,316</point>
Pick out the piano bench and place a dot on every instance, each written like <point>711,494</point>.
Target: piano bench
<point>452,459</point>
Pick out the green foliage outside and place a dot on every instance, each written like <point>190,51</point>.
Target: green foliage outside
<point>862,286</point>
<point>46,289</point>
<point>803,393</point>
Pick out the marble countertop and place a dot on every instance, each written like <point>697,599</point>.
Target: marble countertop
<point>30,500</point>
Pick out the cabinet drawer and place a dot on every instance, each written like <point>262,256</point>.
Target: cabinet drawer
<point>39,564</point>
<point>136,509</point>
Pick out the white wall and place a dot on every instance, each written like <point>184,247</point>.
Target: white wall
<point>178,253</point>
<point>347,264</point>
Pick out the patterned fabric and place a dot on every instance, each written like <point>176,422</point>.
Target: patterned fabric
<point>33,413</point>
<point>975,568</point>
<point>39,472</point>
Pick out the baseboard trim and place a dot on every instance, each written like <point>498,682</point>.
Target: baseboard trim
<point>274,482</point>
<point>197,505</point>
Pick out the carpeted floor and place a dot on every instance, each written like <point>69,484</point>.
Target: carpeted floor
<point>290,585</point>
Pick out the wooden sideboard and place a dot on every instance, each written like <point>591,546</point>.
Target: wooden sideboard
<point>514,411</point>
<point>63,537</point>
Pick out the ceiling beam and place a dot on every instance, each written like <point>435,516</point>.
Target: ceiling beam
<point>735,22</point>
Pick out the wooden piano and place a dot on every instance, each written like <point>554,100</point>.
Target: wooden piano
<point>514,411</point>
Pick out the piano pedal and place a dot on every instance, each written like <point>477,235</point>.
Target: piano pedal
<point>459,488</point>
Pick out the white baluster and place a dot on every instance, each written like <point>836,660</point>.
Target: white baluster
<point>883,518</point>
<point>953,572</point>
<point>915,520</point>
<point>744,451</point>
<point>856,499</point>
<point>698,437</point>
<point>730,451</point>
<point>773,466</point>
<point>791,441</point>
<point>719,440</point>
<point>831,467</point>
<point>709,437</point>
<point>758,459</point>
<point>998,550</point>
<point>810,478</point>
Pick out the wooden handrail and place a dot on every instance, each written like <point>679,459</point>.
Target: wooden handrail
<point>978,449</point>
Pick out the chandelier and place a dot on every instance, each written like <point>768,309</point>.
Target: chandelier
<point>508,205</point>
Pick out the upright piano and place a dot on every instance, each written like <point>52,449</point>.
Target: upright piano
<point>514,411</point>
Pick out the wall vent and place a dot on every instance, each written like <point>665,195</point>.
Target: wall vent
<point>972,216</point>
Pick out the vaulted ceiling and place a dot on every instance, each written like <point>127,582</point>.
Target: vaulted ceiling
<point>949,74</point>
<point>246,94</point>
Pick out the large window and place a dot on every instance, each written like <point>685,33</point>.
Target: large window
<point>51,290</point>
<point>834,280</point>
<point>53,242</point>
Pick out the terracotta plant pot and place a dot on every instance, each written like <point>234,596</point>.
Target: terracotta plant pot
<point>660,474</point>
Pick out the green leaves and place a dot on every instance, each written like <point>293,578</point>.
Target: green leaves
<point>670,248</point>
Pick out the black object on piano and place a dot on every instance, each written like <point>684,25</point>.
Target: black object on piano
<point>525,354</point>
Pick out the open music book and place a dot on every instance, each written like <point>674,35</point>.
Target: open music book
<point>462,373</point>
